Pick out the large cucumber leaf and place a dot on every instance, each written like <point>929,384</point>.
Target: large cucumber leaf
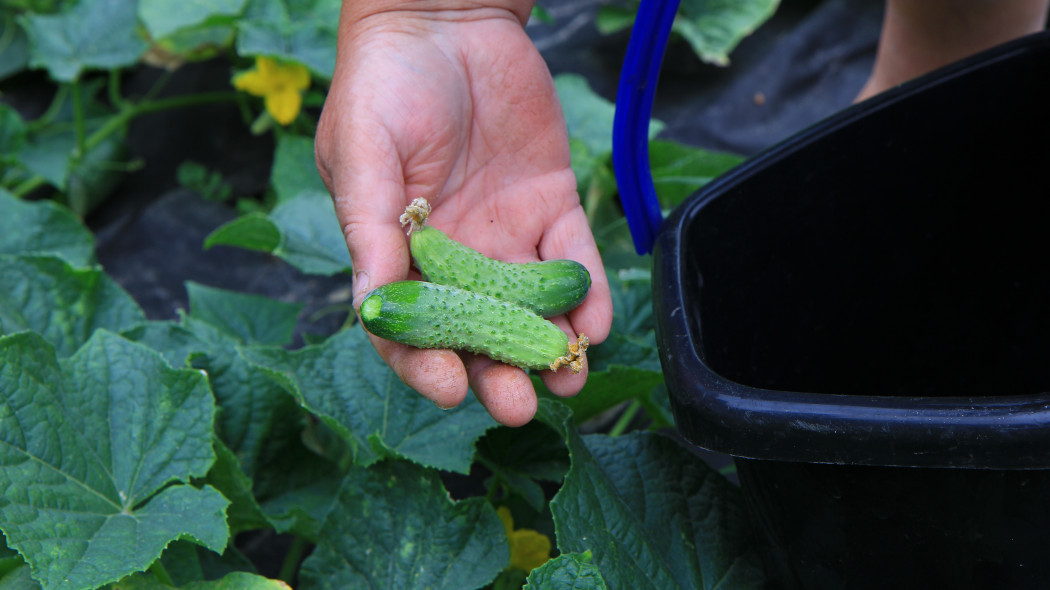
<point>394,526</point>
<point>250,319</point>
<point>64,304</point>
<point>42,228</point>
<point>713,28</point>
<point>164,17</point>
<point>294,168</point>
<point>90,34</point>
<point>303,231</point>
<point>231,581</point>
<point>568,571</point>
<point>96,458</point>
<point>653,515</point>
<point>345,382</point>
<point>298,30</point>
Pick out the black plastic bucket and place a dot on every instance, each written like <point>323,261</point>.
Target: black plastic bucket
<point>861,315</point>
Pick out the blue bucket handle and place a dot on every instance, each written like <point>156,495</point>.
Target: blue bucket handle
<point>634,107</point>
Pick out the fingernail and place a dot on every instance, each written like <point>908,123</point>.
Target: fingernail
<point>362,282</point>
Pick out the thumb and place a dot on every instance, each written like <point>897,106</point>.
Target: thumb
<point>369,198</point>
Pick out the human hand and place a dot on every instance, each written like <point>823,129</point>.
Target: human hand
<point>458,107</point>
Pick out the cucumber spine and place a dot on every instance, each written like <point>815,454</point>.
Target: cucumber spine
<point>430,315</point>
<point>548,288</point>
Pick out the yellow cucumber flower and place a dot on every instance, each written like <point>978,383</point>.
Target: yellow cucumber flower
<point>528,548</point>
<point>280,85</point>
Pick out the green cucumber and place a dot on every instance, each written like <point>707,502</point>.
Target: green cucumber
<point>430,315</point>
<point>549,288</point>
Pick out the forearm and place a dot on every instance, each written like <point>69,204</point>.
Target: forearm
<point>356,10</point>
<point>919,36</point>
<point>942,31</point>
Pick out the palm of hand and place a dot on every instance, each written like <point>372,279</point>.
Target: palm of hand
<point>464,114</point>
<point>479,133</point>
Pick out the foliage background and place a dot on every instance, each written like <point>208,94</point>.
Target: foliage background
<point>180,395</point>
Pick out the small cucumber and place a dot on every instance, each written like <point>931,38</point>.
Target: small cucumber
<point>549,288</point>
<point>429,315</point>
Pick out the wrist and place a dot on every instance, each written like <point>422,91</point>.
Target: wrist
<point>356,10</point>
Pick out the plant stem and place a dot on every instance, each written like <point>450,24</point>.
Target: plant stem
<point>591,201</point>
<point>625,419</point>
<point>291,560</point>
<point>161,573</point>
<point>9,32</point>
<point>114,89</point>
<point>490,494</point>
<point>28,186</point>
<point>78,119</point>
<point>160,83</point>
<point>49,115</point>
<point>118,121</point>
<point>129,113</point>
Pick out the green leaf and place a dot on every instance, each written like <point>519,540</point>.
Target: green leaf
<point>47,153</point>
<point>252,319</point>
<point>542,15</point>
<point>254,409</point>
<point>43,228</point>
<point>209,184</point>
<point>652,513</point>
<point>188,562</point>
<point>303,231</point>
<point>10,560</point>
<point>613,18</point>
<point>207,40</point>
<point>163,17</point>
<point>394,526</point>
<point>239,581</point>
<point>304,31</point>
<point>589,117</point>
<point>627,365</point>
<point>231,581</point>
<point>12,134</point>
<point>94,176</point>
<point>295,487</point>
<point>226,475</point>
<point>294,168</point>
<point>176,343</point>
<point>521,456</point>
<point>678,170</point>
<point>50,152</point>
<point>632,339</point>
<point>714,27</point>
<point>351,389</point>
<point>254,231</point>
<point>14,46</point>
<point>18,578</point>
<point>95,455</point>
<point>91,34</point>
<point>297,475</point>
<point>605,389</point>
<point>64,304</point>
<point>311,239</point>
<point>38,6</point>
<point>568,571</point>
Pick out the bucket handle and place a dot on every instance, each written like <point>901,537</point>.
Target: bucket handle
<point>634,106</point>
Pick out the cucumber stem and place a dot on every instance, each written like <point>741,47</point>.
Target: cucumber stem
<point>573,359</point>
